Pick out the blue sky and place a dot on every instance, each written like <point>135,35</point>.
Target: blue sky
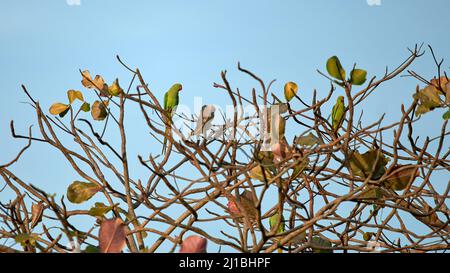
<point>44,43</point>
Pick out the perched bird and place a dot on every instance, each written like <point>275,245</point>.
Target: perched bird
<point>171,100</point>
<point>338,114</point>
<point>205,119</point>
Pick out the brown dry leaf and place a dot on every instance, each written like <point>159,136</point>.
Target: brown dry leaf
<point>112,236</point>
<point>90,83</point>
<point>400,176</point>
<point>37,210</point>
<point>98,110</point>
<point>363,165</point>
<point>443,81</point>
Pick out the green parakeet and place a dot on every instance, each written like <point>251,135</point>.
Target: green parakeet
<point>338,114</point>
<point>171,100</point>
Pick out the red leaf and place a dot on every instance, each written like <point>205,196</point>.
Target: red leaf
<point>233,208</point>
<point>112,236</point>
<point>194,244</point>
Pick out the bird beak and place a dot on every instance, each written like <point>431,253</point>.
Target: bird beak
<point>181,88</point>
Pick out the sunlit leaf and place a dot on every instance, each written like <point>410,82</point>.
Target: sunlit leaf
<point>99,209</point>
<point>358,77</point>
<point>115,88</point>
<point>99,111</point>
<point>37,211</point>
<point>428,99</point>
<point>78,192</point>
<point>290,90</point>
<point>194,244</point>
<point>72,95</point>
<point>363,165</point>
<point>112,236</point>
<point>442,83</point>
<point>446,115</point>
<point>335,68</point>
<point>88,82</point>
<point>273,220</point>
<point>85,107</point>
<point>58,108</point>
<point>25,239</point>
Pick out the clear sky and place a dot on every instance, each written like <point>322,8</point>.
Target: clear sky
<point>44,43</point>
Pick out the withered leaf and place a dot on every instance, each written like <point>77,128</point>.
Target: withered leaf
<point>400,176</point>
<point>99,111</point>
<point>37,210</point>
<point>372,161</point>
<point>112,236</point>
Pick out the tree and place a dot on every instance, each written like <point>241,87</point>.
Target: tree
<point>346,186</point>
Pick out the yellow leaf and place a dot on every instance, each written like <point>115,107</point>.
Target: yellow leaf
<point>257,173</point>
<point>90,83</point>
<point>73,95</point>
<point>290,90</point>
<point>58,108</point>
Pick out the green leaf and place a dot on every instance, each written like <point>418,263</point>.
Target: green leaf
<point>290,90</point>
<point>99,210</point>
<point>301,165</point>
<point>308,140</point>
<point>99,111</point>
<point>273,220</point>
<point>318,242</point>
<point>58,108</point>
<point>92,249</point>
<point>115,89</point>
<point>265,158</point>
<point>363,165</point>
<point>85,107</point>
<point>358,77</point>
<point>446,115</point>
<point>73,95</point>
<point>78,192</point>
<point>24,239</point>
<point>335,68</point>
